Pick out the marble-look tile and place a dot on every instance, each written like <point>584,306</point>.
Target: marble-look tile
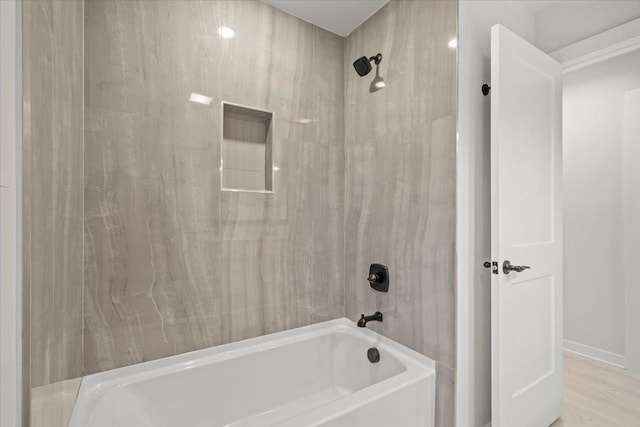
<point>400,181</point>
<point>52,404</point>
<point>53,186</point>
<point>291,72</point>
<point>445,396</point>
<point>287,247</point>
<point>417,65</point>
<point>146,57</point>
<point>151,238</point>
<point>172,263</point>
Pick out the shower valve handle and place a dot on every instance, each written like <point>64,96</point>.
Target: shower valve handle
<point>373,277</point>
<point>378,277</point>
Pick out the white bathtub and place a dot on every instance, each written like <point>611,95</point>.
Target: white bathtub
<point>318,375</point>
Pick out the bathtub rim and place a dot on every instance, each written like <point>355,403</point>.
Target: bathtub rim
<point>418,367</point>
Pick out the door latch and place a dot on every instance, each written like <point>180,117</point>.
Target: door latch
<point>493,265</point>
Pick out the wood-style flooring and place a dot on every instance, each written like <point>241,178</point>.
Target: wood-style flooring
<point>597,394</point>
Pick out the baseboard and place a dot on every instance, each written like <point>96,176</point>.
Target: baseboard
<point>595,353</point>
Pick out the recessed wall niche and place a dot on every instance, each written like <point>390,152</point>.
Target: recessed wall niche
<point>246,149</point>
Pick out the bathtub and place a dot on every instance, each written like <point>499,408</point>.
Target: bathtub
<point>317,375</point>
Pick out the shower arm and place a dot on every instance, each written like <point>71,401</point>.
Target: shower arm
<point>376,59</point>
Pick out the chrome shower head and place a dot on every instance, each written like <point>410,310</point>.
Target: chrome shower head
<point>377,83</point>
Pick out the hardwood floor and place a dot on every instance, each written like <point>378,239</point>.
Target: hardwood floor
<point>598,395</point>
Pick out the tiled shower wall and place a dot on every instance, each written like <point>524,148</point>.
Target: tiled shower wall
<point>52,187</point>
<point>172,263</point>
<point>400,181</point>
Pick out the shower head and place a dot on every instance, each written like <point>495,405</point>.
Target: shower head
<point>377,83</point>
<point>363,64</point>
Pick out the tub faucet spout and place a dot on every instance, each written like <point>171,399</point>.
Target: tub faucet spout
<point>377,316</point>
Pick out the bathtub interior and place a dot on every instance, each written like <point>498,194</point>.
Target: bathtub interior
<point>259,388</point>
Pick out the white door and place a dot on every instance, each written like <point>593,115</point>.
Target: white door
<point>526,229</point>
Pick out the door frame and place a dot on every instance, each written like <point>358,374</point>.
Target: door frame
<point>14,390</point>
<point>617,41</point>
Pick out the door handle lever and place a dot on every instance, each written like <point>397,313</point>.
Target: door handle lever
<point>507,267</point>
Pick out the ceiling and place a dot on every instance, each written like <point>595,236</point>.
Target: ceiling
<point>571,21</point>
<point>537,6</point>
<point>340,17</point>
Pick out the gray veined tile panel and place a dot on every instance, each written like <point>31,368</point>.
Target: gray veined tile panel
<point>404,216</point>
<point>445,396</point>
<point>52,404</point>
<point>287,66</point>
<point>400,181</point>
<point>151,238</point>
<point>145,58</point>
<point>285,249</point>
<point>172,263</point>
<point>53,186</point>
<point>418,67</point>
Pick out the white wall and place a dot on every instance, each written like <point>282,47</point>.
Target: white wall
<point>473,404</point>
<point>595,227</point>
<point>631,213</point>
<point>11,391</point>
<point>548,25</point>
